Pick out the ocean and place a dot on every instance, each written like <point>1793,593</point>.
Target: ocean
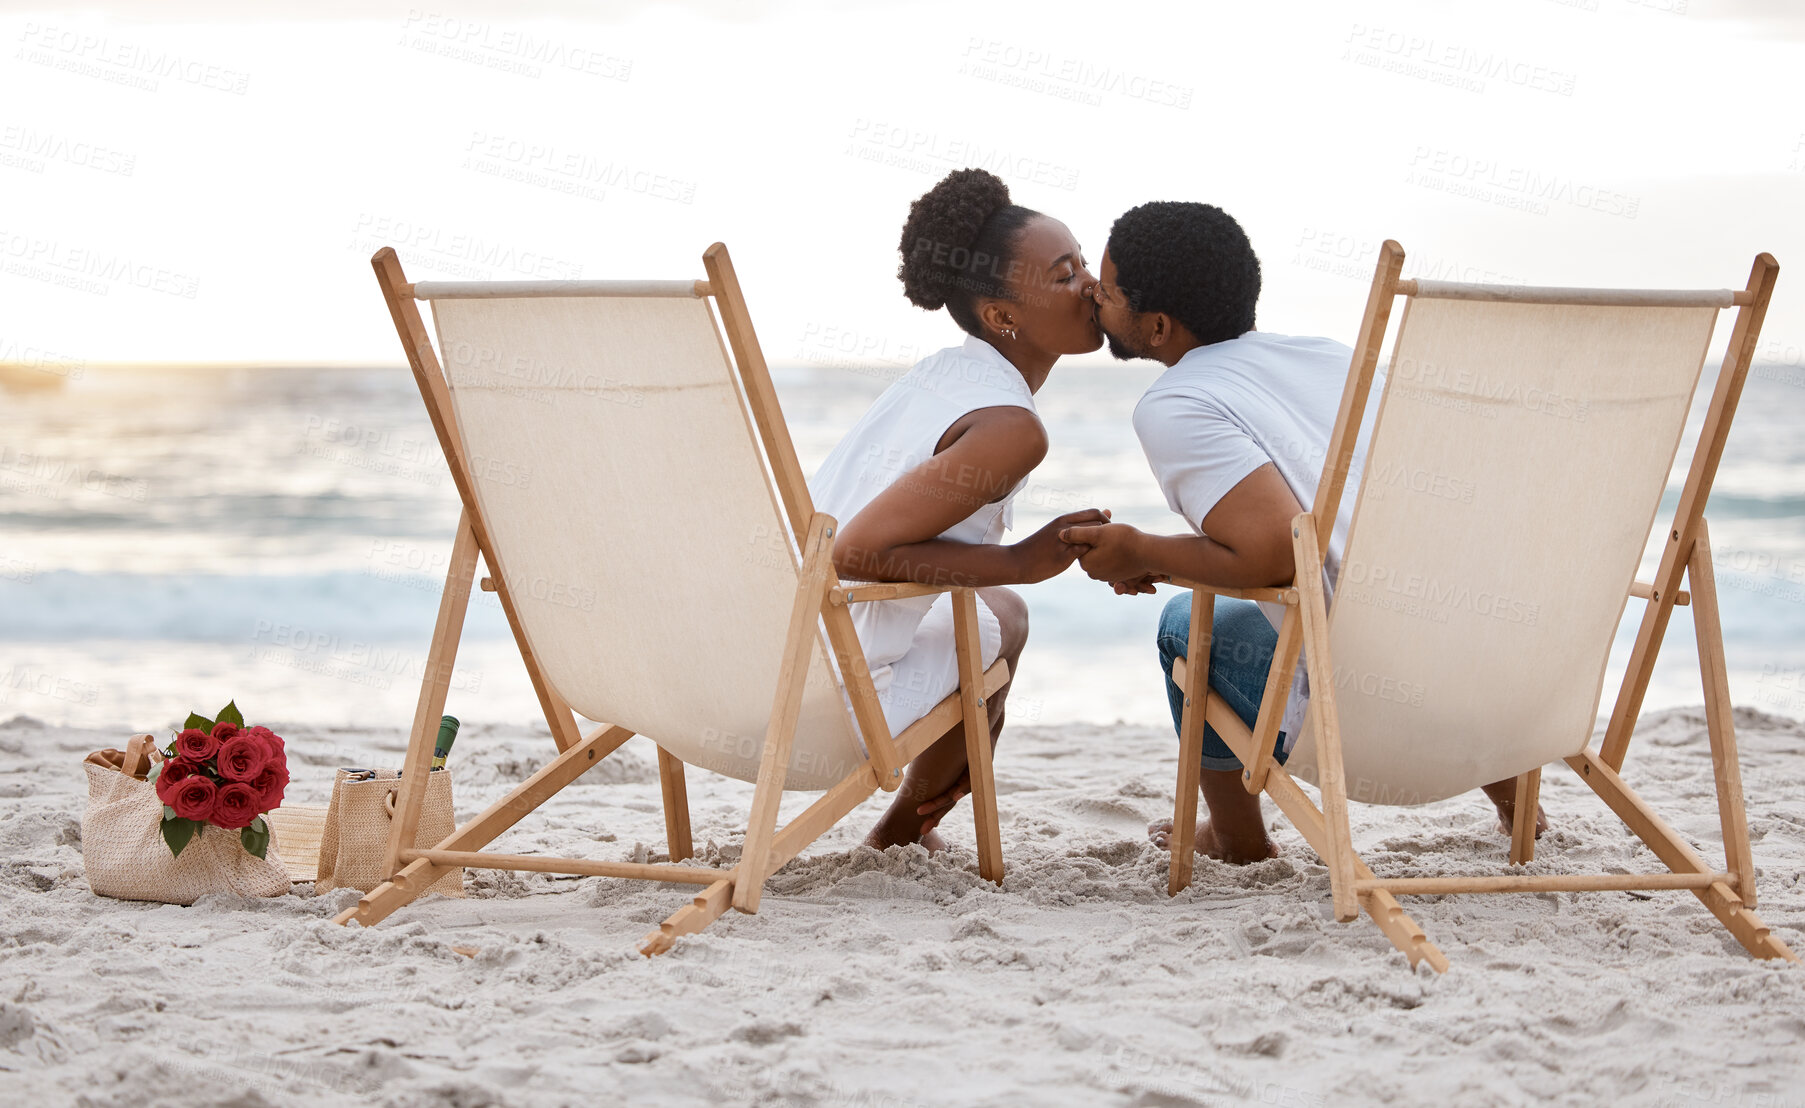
<point>171,538</point>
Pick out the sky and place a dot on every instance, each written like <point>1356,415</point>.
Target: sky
<point>204,182</point>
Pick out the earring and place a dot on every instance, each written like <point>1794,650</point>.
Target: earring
<point>1008,333</point>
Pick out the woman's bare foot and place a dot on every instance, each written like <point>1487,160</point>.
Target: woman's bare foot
<point>1503,795</point>
<point>1160,831</point>
<point>881,838</point>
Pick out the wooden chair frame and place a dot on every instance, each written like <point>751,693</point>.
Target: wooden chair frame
<point>1728,893</point>
<point>820,597</point>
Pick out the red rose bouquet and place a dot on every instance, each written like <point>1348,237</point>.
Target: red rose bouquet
<point>223,773</point>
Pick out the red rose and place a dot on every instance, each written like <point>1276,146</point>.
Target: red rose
<point>174,772</point>
<point>270,739</point>
<point>196,745</point>
<point>270,784</point>
<point>193,797</point>
<point>236,806</point>
<point>223,730</point>
<point>241,758</point>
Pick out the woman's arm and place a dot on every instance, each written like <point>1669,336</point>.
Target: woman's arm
<point>983,455</point>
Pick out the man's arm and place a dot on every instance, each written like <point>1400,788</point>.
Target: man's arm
<point>1246,541</point>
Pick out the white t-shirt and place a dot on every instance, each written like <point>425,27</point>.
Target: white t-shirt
<point>1231,407</point>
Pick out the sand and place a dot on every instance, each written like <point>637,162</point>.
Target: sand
<point>893,979</point>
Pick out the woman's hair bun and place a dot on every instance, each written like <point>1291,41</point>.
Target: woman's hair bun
<point>942,227</point>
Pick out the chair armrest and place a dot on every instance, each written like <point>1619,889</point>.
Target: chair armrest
<point>858,592</point>
<point>1285,595</point>
<point>1646,591</point>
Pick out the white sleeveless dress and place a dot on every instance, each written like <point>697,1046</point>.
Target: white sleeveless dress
<point>909,643</point>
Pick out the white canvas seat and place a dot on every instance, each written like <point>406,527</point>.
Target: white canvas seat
<point>1517,462</point>
<point>669,542</point>
<point>633,491</point>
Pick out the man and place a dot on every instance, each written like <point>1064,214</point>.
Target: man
<point>1235,431</point>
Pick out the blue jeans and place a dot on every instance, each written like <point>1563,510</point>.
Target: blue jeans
<point>1241,646</point>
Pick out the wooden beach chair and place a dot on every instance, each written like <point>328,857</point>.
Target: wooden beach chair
<point>1521,446</point>
<point>643,520</point>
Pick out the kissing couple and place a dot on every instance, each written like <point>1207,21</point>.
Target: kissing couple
<point>1234,431</point>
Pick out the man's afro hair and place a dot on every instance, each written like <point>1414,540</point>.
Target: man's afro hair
<point>1191,261</point>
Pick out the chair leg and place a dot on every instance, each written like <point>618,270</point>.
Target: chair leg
<point>415,877</point>
<point>1308,819</point>
<point>1677,855</point>
<point>1726,767</point>
<point>676,805</point>
<point>780,731</point>
<point>434,686</point>
<point>1333,776</point>
<point>1194,683</point>
<point>986,824</point>
<point>708,906</point>
<point>969,648</point>
<point>1523,818</point>
<point>1272,701</point>
<point>1183,844</point>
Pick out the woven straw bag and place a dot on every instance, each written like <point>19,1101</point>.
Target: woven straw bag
<point>125,857</point>
<point>357,830</point>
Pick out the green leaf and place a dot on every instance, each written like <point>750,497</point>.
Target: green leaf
<point>177,832</point>
<point>258,825</point>
<point>151,778</point>
<point>231,714</point>
<point>168,813</point>
<point>195,719</point>
<point>255,839</point>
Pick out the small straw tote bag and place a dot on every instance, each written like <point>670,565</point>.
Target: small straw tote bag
<point>357,829</point>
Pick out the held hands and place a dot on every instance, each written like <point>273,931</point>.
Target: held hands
<point>1110,552</point>
<point>1046,553</point>
<point>1143,583</point>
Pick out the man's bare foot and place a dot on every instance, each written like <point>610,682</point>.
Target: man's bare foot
<point>1503,795</point>
<point>1507,818</point>
<point>1160,831</point>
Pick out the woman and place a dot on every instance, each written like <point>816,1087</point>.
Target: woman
<point>922,485</point>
